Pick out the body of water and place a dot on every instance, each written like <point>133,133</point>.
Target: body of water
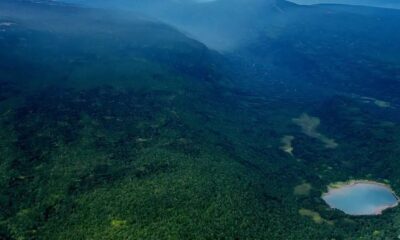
<point>361,198</point>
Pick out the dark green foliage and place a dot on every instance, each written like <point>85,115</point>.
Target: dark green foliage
<point>144,137</point>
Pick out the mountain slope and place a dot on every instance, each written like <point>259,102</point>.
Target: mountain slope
<point>340,48</point>
<point>69,38</point>
<point>222,24</point>
<point>331,48</point>
<point>116,127</point>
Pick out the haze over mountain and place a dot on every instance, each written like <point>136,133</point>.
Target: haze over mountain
<point>280,37</point>
<point>222,24</point>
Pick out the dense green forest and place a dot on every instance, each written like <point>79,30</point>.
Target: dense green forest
<point>108,132</point>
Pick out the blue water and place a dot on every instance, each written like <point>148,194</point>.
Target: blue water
<point>361,198</point>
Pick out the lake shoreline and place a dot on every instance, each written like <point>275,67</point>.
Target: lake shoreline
<point>335,188</point>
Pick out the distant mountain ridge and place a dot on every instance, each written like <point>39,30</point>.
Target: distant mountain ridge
<point>289,43</point>
<point>394,4</point>
<point>221,24</point>
<point>50,27</point>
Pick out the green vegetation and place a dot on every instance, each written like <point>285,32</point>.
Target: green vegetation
<point>111,163</point>
<point>149,139</point>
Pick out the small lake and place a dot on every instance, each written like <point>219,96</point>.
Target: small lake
<point>361,198</point>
